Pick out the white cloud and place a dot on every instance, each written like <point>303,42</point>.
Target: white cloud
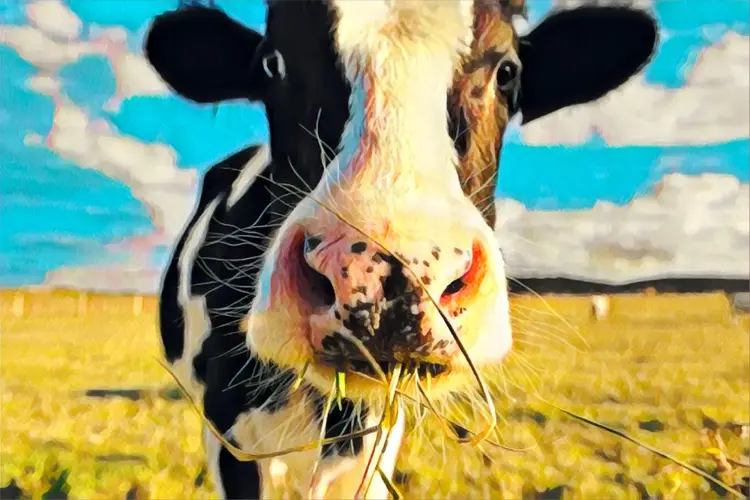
<point>42,50</point>
<point>51,42</point>
<point>133,74</point>
<point>149,169</point>
<point>33,139</point>
<point>55,18</point>
<point>44,84</point>
<point>689,226</point>
<point>713,106</point>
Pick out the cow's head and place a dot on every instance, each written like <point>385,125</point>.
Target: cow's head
<point>400,223</point>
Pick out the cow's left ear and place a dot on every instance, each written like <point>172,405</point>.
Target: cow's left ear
<point>206,56</point>
<point>578,55</point>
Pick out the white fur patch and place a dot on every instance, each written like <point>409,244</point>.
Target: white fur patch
<point>212,447</point>
<point>196,322</point>
<point>257,431</point>
<point>250,171</point>
<point>400,58</point>
<point>197,325</point>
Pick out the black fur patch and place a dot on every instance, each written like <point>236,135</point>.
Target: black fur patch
<point>171,315</point>
<point>340,422</point>
<point>396,328</point>
<point>240,480</point>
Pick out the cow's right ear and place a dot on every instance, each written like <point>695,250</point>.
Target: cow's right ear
<point>205,56</point>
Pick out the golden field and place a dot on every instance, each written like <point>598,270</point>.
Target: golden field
<point>671,371</point>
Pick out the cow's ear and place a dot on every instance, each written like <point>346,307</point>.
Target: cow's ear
<point>205,56</point>
<point>578,55</point>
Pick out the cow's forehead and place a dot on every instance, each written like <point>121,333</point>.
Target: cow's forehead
<point>296,23</point>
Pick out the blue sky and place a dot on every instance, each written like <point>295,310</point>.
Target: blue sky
<point>56,213</point>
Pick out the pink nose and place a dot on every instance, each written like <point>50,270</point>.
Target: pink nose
<point>369,293</point>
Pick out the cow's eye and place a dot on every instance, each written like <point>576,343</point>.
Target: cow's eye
<point>506,75</point>
<point>273,65</point>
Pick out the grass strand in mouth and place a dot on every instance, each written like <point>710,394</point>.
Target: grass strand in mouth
<point>387,419</point>
<point>419,410</point>
<point>340,388</point>
<point>298,381</point>
<point>313,490</point>
<point>387,422</point>
<point>389,484</point>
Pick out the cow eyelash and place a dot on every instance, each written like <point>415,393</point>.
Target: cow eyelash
<point>273,65</point>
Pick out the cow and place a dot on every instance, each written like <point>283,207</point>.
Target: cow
<point>366,221</point>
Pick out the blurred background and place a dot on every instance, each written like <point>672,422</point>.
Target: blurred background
<point>99,165</point>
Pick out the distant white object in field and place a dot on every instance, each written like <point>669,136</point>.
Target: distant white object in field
<point>601,306</point>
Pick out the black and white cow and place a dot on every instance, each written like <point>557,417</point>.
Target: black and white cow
<point>375,193</point>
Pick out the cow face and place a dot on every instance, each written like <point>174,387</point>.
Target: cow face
<point>394,243</point>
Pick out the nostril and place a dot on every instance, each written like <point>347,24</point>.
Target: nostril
<point>463,288</point>
<point>454,287</point>
<point>318,287</point>
<point>311,243</point>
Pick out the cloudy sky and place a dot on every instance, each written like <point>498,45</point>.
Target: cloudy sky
<point>99,163</point>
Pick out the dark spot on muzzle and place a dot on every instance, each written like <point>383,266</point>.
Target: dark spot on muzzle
<point>359,247</point>
<point>311,243</point>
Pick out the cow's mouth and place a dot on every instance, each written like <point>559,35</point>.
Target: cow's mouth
<point>344,357</point>
<point>423,370</point>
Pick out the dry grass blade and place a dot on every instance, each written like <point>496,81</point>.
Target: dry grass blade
<point>551,310</point>
<point>418,400</point>
<point>648,447</point>
<point>428,405</point>
<point>492,420</point>
<point>313,493</point>
<point>368,356</point>
<point>389,484</point>
<point>387,421</point>
<point>738,463</point>
<point>388,418</point>
<point>393,414</point>
<point>298,381</point>
<point>340,388</point>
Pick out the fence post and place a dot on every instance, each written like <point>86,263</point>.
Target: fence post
<point>137,305</point>
<point>19,303</point>
<point>83,303</point>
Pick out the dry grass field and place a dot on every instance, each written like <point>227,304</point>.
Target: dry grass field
<point>673,372</point>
